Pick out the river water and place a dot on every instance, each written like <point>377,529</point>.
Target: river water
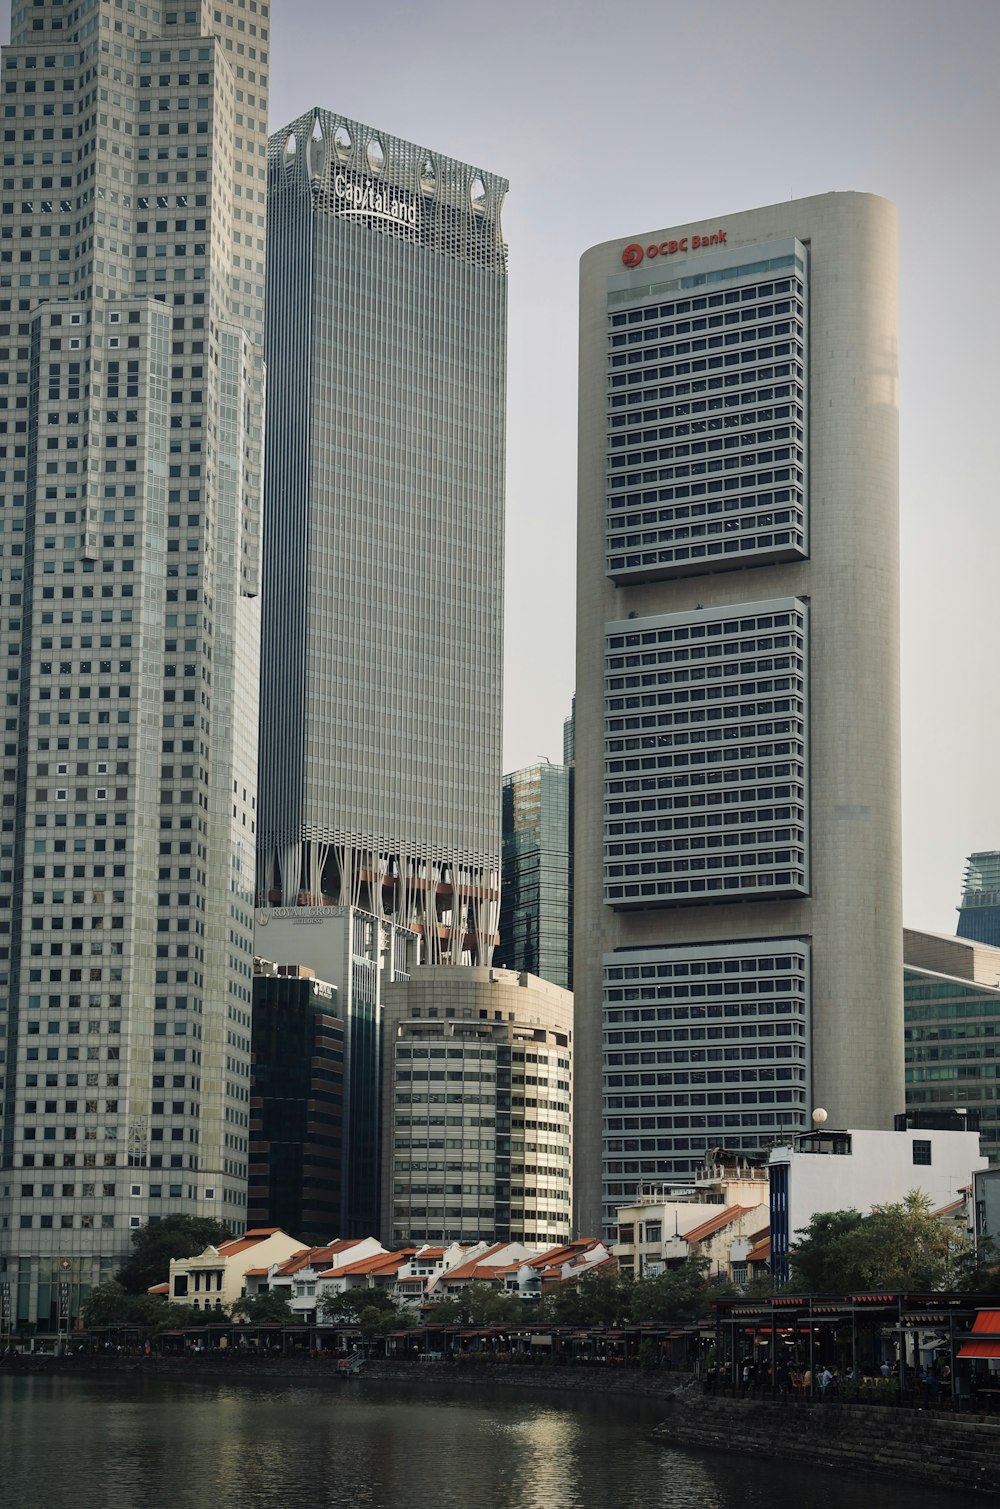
<point>71,1443</point>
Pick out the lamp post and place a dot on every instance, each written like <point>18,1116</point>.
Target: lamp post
<point>65,1266</point>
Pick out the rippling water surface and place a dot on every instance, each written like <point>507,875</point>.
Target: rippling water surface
<point>81,1443</point>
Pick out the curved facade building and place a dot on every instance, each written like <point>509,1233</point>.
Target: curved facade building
<point>381,683</point>
<point>738,915</point>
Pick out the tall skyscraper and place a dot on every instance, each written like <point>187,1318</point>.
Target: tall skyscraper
<point>381,670</point>
<point>979,913</point>
<point>131,318</point>
<point>738,869</point>
<point>536,873</point>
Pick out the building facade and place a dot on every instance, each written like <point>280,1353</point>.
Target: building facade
<point>358,955</point>
<point>951,1002</point>
<point>737,708</point>
<point>536,873</point>
<point>476,1128</point>
<point>381,672</point>
<point>979,913</point>
<point>296,1103</point>
<point>827,1170</point>
<point>130,466</point>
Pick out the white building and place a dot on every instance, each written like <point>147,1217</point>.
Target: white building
<point>856,1170</point>
<point>737,707</point>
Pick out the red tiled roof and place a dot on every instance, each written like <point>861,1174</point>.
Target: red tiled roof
<point>158,1289</point>
<point>379,1262</point>
<point>468,1270</point>
<point>257,1272</point>
<point>715,1223</point>
<point>760,1252</point>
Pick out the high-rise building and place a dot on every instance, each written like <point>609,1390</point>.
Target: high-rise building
<point>296,1103</point>
<point>738,928</point>
<point>476,1132</point>
<point>130,454</point>
<point>979,914</point>
<point>358,955</point>
<point>536,873</point>
<point>381,659</point>
<point>951,1005</point>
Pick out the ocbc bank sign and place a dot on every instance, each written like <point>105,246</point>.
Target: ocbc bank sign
<point>634,252</point>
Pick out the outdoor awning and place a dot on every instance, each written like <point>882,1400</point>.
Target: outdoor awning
<point>979,1349</point>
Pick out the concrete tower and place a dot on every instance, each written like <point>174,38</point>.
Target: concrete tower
<point>738,868</point>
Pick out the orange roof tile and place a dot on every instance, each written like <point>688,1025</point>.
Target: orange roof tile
<point>158,1289</point>
<point>715,1223</point>
<point>257,1272</point>
<point>468,1269</point>
<point>760,1252</point>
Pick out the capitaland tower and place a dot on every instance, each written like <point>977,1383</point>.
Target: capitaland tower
<point>131,371</point>
<point>381,670</point>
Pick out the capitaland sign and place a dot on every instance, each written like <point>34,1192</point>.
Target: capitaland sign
<point>634,253</point>
<point>366,197</point>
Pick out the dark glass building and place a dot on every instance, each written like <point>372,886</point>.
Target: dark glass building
<point>536,873</point>
<point>979,914</point>
<point>296,1104</point>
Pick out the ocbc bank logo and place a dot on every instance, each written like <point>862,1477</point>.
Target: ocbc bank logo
<point>632,255</point>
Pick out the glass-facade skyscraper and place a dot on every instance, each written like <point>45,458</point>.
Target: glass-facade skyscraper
<point>979,913</point>
<point>536,873</point>
<point>132,217</point>
<point>381,673</point>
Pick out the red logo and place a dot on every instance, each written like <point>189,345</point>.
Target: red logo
<point>632,255</point>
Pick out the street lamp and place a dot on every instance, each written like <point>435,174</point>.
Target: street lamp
<point>65,1266</point>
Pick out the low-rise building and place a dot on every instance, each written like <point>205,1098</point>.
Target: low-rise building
<point>717,1218</point>
<point>215,1278</point>
<point>827,1170</point>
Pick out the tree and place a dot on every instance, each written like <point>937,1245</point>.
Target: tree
<point>265,1309</point>
<point>679,1293</point>
<point>155,1244</point>
<point>896,1247</point>
<point>110,1305</point>
<point>346,1308</point>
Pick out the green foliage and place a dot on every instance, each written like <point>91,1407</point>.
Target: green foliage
<point>157,1243</point>
<point>481,1305</point>
<point>679,1293</point>
<point>896,1247</point>
<point>265,1309</point>
<point>347,1308</point>
<point>649,1354</point>
<point>110,1305</point>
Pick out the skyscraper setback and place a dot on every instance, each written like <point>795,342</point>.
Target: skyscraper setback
<point>381,651</point>
<point>738,870</point>
<point>131,314</point>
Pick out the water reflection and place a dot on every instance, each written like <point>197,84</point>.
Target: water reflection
<point>82,1444</point>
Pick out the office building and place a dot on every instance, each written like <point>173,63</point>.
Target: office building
<point>536,873</point>
<point>951,1005</point>
<point>296,1103</point>
<point>826,1170</point>
<point>130,463</point>
<point>738,930</point>
<point>979,913</point>
<point>476,1129</point>
<point>381,650</point>
<point>358,955</point>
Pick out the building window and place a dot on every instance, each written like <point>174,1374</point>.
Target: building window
<point>921,1152</point>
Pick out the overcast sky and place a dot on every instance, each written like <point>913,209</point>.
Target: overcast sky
<point>610,120</point>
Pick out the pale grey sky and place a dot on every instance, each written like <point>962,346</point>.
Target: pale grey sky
<point>610,120</point>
